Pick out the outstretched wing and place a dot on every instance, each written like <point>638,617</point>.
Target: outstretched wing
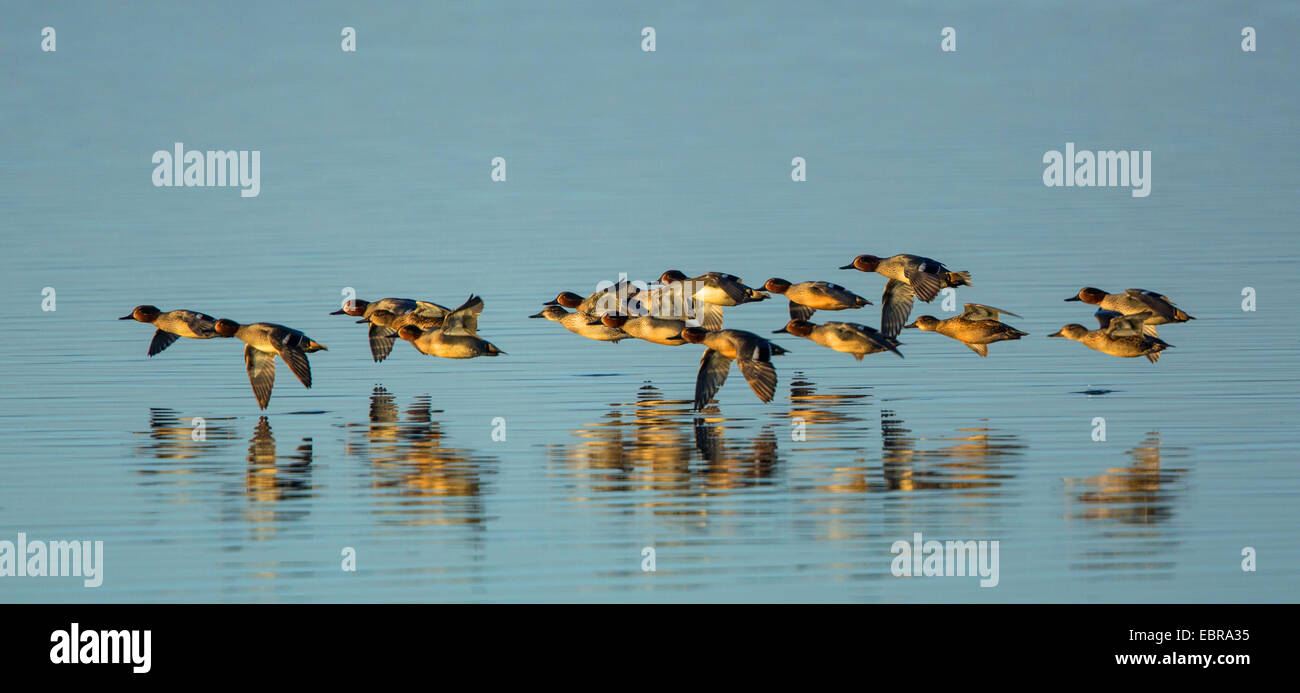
<point>289,345</point>
<point>798,311</point>
<point>709,315</point>
<point>381,341</point>
<point>896,305</point>
<point>261,374</point>
<point>761,376</point>
<point>428,309</point>
<point>713,373</point>
<point>161,340</point>
<point>464,320</point>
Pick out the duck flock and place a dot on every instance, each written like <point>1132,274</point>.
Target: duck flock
<point>679,310</point>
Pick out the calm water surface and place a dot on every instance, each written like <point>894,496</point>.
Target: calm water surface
<point>375,175</point>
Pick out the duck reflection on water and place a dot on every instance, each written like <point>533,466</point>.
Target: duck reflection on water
<point>417,478</point>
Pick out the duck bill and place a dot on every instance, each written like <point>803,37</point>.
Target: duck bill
<point>340,311</point>
<point>1055,334</point>
<point>781,331</point>
<point>539,315</point>
<point>363,320</point>
<point>551,303</point>
<point>1073,298</point>
<point>126,317</point>
<point>848,266</point>
<point>910,327</point>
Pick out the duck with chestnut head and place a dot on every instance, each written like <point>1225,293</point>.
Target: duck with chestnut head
<point>172,325</point>
<point>845,337</point>
<point>381,335</point>
<point>455,338</point>
<point>582,324</point>
<point>1119,335</point>
<point>910,277</point>
<point>665,331</point>
<point>708,294</point>
<point>808,297</point>
<point>1133,301</point>
<point>751,353</point>
<point>263,341</point>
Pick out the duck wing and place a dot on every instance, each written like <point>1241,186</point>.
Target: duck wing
<point>1159,305</point>
<point>381,341</point>
<point>289,344</point>
<point>709,315</point>
<point>667,301</point>
<point>925,280</point>
<point>161,340</point>
<point>713,373</point>
<point>847,330</point>
<point>464,320</point>
<point>896,305</point>
<point>261,374</point>
<point>755,364</point>
<point>203,325</point>
<point>606,300</point>
<point>732,286</point>
<point>798,311</point>
<point>1127,325</point>
<point>428,309</point>
<point>1105,316</point>
<point>976,312</point>
<point>761,376</point>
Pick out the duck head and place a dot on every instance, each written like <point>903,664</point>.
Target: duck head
<point>142,314</point>
<point>1089,294</point>
<point>551,313</point>
<point>777,285</point>
<point>614,321</point>
<point>568,299</point>
<point>355,307</point>
<point>694,335</point>
<point>925,323</point>
<point>1072,331</point>
<point>226,327</point>
<point>863,263</point>
<point>410,333</point>
<point>798,328</point>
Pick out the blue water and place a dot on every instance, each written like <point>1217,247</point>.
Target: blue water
<point>376,175</point>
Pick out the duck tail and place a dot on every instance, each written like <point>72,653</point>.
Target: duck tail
<point>778,350</point>
<point>1180,316</point>
<point>959,279</point>
<point>314,346</point>
<point>1153,356</point>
